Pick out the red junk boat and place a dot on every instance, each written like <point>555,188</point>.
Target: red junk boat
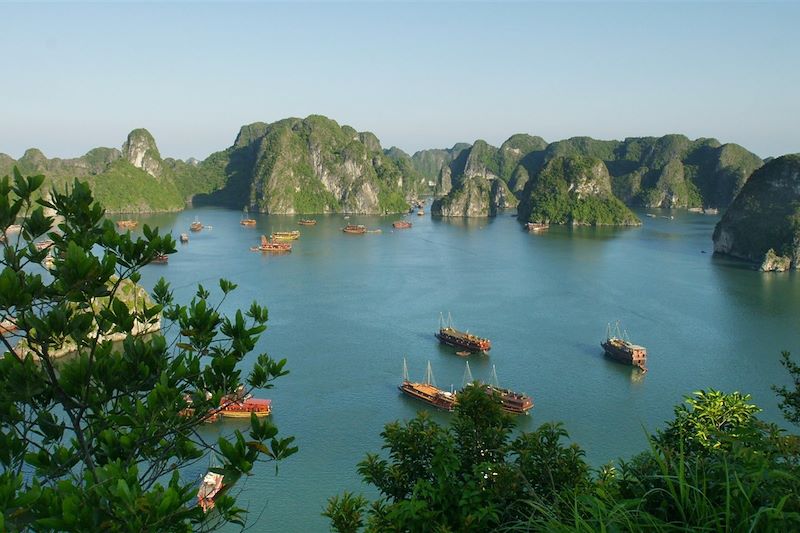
<point>516,403</point>
<point>272,246</point>
<point>401,224</point>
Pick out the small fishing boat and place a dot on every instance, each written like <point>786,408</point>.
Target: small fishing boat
<point>355,229</point>
<point>464,353</point>
<point>307,222</point>
<point>127,224</point>
<point>447,334</point>
<point>618,347</point>
<point>184,237</point>
<point>211,485</point>
<point>427,390</point>
<point>272,246</point>
<point>421,212</point>
<point>196,225</point>
<point>536,227</point>
<point>401,224</point>
<point>650,215</point>
<point>285,235</point>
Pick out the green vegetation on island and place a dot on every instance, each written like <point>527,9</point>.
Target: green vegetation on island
<point>763,223</point>
<point>670,171</point>
<point>573,190</point>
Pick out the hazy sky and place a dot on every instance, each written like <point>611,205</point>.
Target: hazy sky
<point>418,75</point>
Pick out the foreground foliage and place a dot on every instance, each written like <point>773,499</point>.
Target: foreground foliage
<point>714,467</point>
<point>94,441</point>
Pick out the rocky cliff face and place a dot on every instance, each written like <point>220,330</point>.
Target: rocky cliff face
<point>312,165</point>
<point>573,190</point>
<point>763,223</point>
<point>429,163</point>
<point>471,185</point>
<point>140,150</point>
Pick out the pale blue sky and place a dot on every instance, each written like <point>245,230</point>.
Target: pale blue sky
<point>418,75</point>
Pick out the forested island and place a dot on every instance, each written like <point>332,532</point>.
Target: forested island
<point>315,165</point>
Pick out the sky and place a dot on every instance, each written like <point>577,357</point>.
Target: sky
<point>418,75</point>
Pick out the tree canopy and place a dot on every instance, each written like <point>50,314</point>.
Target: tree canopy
<point>95,430</point>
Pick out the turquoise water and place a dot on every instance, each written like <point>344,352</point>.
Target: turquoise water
<point>345,310</point>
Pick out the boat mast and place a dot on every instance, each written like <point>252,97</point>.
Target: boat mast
<point>429,376</point>
<point>405,370</point>
<point>449,320</point>
<point>467,377</point>
<point>494,381</point>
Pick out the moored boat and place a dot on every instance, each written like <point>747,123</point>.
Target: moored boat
<point>196,225</point>
<point>307,222</point>
<point>211,485</point>
<point>184,237</point>
<point>447,334</point>
<point>285,235</point>
<point>401,224</point>
<point>241,405</point>
<point>356,229</point>
<point>421,212</point>
<point>621,349</point>
<point>427,390</point>
<point>517,403</point>
<point>248,222</point>
<point>161,259</point>
<point>272,246</point>
<point>536,227</point>
<point>127,224</point>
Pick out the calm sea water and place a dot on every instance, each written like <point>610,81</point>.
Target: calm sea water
<point>345,310</point>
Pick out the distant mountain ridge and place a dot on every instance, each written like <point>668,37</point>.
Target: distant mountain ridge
<point>315,165</point>
<point>670,171</point>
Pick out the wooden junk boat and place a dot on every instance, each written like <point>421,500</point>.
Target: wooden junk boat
<point>536,227</point>
<point>285,235</point>
<point>161,259</point>
<point>401,224</point>
<point>516,403</point>
<point>196,225</point>
<point>427,391</point>
<point>246,220</point>
<point>127,224</point>
<point>307,222</point>
<point>241,405</point>
<point>356,229</point>
<point>618,347</point>
<point>447,334</point>
<point>272,246</point>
